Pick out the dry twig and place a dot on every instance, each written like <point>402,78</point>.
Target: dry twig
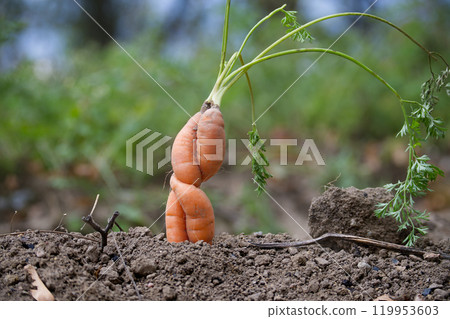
<point>103,232</point>
<point>350,238</point>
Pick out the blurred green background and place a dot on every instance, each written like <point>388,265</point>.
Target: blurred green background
<point>70,98</point>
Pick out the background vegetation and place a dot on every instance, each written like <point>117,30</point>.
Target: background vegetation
<point>70,98</point>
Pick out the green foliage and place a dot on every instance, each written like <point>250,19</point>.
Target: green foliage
<point>259,160</point>
<point>420,173</point>
<point>291,23</point>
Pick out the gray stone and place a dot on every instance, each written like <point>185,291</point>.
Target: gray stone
<point>143,267</point>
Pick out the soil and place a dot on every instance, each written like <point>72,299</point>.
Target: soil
<point>350,210</point>
<point>139,265</point>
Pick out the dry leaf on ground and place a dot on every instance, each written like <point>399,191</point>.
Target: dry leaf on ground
<point>41,293</point>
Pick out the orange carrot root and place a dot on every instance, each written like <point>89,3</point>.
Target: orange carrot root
<point>197,154</point>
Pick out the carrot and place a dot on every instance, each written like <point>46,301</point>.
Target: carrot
<point>210,142</point>
<point>198,210</point>
<point>175,220</point>
<point>197,155</point>
<point>183,159</point>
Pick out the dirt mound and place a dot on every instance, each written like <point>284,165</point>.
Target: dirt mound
<point>138,265</point>
<point>351,211</point>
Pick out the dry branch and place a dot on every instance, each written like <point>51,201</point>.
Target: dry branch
<point>103,232</point>
<point>351,238</point>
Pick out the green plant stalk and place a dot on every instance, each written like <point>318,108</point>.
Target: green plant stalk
<point>254,28</point>
<point>225,77</point>
<point>343,14</point>
<point>252,97</point>
<point>241,71</point>
<point>419,174</point>
<point>224,37</point>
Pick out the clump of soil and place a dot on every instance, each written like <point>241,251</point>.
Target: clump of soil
<point>137,265</point>
<point>351,211</point>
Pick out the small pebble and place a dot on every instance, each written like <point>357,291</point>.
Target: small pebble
<point>143,267</point>
<point>40,252</point>
<point>160,236</point>
<point>364,266</point>
<point>313,286</point>
<point>292,250</point>
<point>322,262</point>
<point>441,294</point>
<point>435,285</point>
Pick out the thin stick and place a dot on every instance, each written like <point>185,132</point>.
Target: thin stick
<point>92,210</point>
<point>11,221</point>
<point>351,238</point>
<point>103,232</point>
<point>51,232</point>
<point>60,222</point>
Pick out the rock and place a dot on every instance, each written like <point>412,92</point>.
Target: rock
<point>262,260</point>
<point>322,262</point>
<point>351,211</point>
<point>40,252</point>
<point>292,250</point>
<point>441,294</point>
<point>435,285</point>
<point>160,236</point>
<point>169,293</point>
<point>364,266</point>
<point>143,267</point>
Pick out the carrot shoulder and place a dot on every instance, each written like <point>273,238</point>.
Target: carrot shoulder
<point>210,142</point>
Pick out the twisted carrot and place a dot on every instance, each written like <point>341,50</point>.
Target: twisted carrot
<point>197,155</point>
